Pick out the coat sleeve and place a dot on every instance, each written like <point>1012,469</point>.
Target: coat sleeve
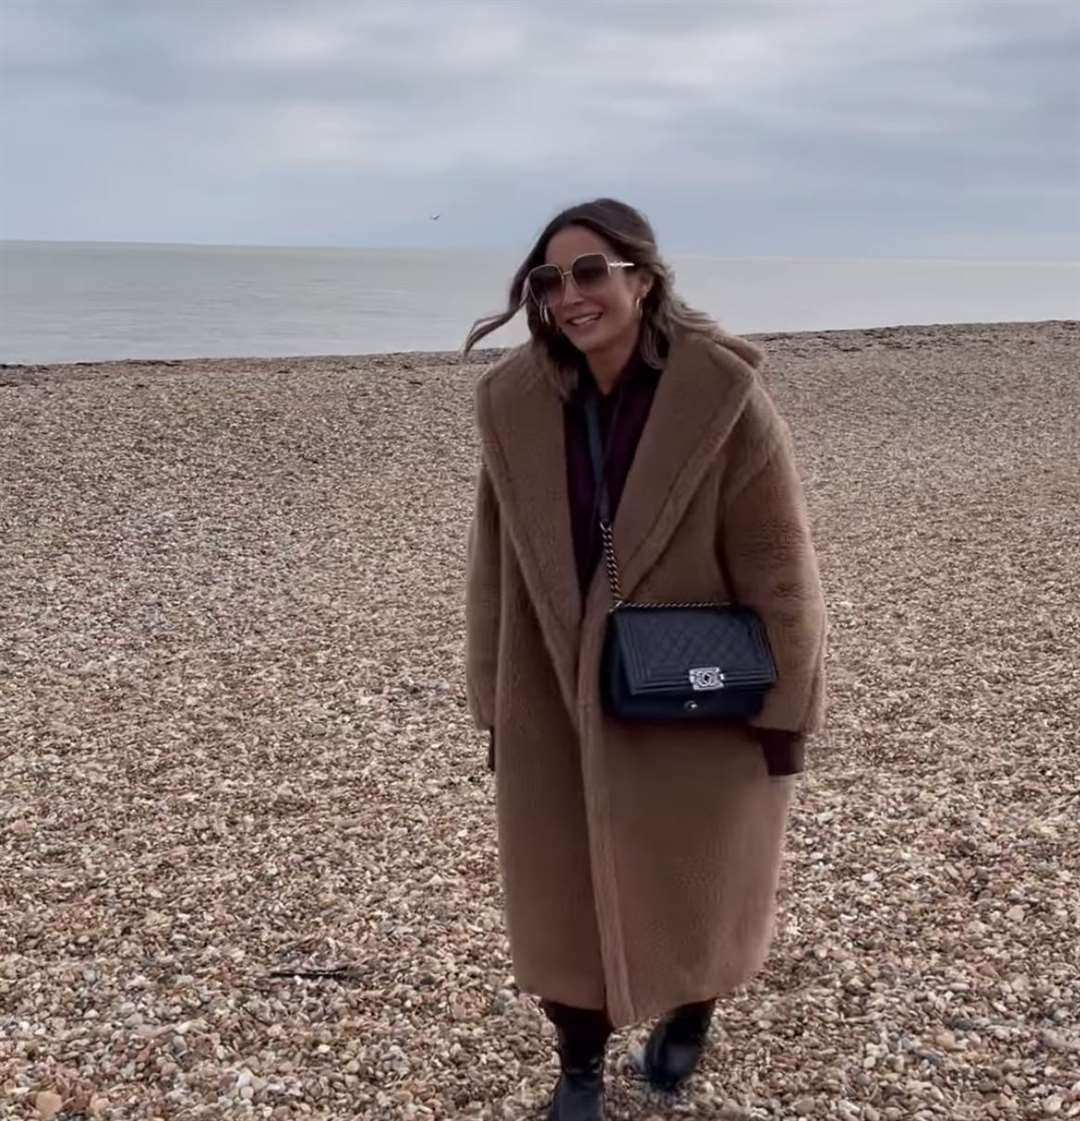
<point>482,590</point>
<point>769,558</point>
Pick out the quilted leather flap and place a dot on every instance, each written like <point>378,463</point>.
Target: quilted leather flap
<point>661,646</point>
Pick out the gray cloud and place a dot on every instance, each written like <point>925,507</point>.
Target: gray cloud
<point>836,128</point>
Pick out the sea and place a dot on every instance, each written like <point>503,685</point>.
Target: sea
<point>93,301</point>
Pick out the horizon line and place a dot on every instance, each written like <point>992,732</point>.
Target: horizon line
<point>472,249</point>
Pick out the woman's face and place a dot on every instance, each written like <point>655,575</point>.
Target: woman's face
<point>608,316</point>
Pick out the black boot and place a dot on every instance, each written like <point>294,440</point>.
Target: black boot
<point>674,1049</point>
<point>583,1034</point>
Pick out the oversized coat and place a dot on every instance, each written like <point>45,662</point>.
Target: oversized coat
<point>639,860</point>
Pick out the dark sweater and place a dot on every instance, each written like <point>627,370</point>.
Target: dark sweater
<point>628,407</point>
<point>623,414</point>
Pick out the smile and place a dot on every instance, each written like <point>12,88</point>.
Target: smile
<point>581,320</point>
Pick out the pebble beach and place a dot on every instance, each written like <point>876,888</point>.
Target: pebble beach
<point>247,855</point>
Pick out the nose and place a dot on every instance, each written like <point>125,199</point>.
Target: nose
<point>570,293</point>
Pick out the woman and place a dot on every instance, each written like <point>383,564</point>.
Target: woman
<point>639,859</point>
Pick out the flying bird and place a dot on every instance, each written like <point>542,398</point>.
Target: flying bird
<point>435,217</point>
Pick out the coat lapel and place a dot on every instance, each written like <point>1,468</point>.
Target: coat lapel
<point>522,430</point>
<point>699,397</point>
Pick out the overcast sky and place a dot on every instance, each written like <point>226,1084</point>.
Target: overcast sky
<point>854,128</point>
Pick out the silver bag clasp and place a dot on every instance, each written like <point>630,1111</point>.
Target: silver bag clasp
<point>706,677</point>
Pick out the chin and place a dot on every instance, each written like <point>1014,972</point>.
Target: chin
<point>590,343</point>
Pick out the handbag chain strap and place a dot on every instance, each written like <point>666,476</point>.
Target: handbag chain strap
<point>596,454</point>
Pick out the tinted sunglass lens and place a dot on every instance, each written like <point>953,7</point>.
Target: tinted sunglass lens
<point>545,283</point>
<point>590,271</point>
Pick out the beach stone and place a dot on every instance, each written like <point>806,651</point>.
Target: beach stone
<point>48,1104</point>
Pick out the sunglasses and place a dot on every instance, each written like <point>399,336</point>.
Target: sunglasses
<point>547,283</point>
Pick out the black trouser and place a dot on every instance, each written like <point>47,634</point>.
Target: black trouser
<point>695,1017</point>
<point>583,1032</point>
<point>588,1029</point>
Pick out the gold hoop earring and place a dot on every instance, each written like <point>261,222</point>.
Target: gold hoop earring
<point>545,315</point>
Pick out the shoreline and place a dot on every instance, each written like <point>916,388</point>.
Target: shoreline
<point>485,355</point>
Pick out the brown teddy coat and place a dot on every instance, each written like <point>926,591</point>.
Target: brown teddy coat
<point>639,859</point>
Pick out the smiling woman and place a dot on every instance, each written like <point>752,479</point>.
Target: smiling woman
<point>639,855</point>
<point>624,238</point>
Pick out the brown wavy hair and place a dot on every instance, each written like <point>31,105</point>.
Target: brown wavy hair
<point>663,313</point>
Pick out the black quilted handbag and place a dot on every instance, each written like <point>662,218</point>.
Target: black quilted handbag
<point>675,661</point>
